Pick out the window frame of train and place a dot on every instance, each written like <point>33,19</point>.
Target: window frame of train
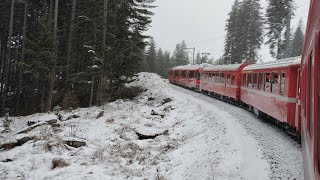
<point>282,81</point>
<point>176,73</point>
<point>265,82</point>
<point>260,80</point>
<point>249,79</point>
<point>273,79</point>
<point>191,74</point>
<point>254,80</point>
<point>244,79</point>
<point>232,79</point>
<point>228,78</point>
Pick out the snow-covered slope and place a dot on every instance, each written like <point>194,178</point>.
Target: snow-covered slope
<point>194,140</point>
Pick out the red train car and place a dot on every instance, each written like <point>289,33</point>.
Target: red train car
<point>222,80</point>
<point>270,89</point>
<point>309,94</point>
<point>174,75</point>
<point>187,76</point>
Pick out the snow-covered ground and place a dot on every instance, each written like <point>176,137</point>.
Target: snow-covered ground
<point>197,138</point>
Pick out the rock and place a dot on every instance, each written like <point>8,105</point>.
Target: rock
<point>30,123</point>
<point>58,162</point>
<point>100,115</point>
<point>74,142</point>
<point>155,113</point>
<point>151,99</point>
<point>166,132</point>
<point>110,120</point>
<point>52,121</point>
<point>168,109</point>
<point>30,128</point>
<point>166,100</point>
<point>143,136</point>
<point>73,116</point>
<point>7,160</point>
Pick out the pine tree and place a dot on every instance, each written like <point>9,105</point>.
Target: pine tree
<point>198,58</point>
<point>277,18</point>
<point>181,54</point>
<point>151,56</point>
<point>231,50</point>
<point>244,32</point>
<point>297,43</point>
<point>252,29</point>
<point>160,64</point>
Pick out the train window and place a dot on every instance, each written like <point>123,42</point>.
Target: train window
<point>176,73</point>
<point>244,78</point>
<point>275,83</point>
<point>232,79</point>
<point>254,81</point>
<point>228,78</point>
<point>191,74</point>
<point>283,76</point>
<point>249,80</point>
<point>222,77</point>
<point>260,78</point>
<point>267,84</point>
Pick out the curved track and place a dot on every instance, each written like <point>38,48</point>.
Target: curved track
<point>281,152</point>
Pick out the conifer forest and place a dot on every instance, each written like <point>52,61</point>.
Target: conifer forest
<point>80,53</point>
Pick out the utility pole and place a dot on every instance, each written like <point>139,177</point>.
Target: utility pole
<point>288,35</point>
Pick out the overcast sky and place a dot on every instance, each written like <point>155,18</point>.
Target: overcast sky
<point>201,23</point>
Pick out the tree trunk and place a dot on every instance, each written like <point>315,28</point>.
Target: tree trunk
<point>42,99</point>
<point>103,73</point>
<point>92,78</point>
<point>23,47</point>
<point>52,73</point>
<point>5,84</point>
<point>71,36</point>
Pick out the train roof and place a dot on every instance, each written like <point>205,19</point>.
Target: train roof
<point>231,67</point>
<point>275,64</point>
<point>191,67</point>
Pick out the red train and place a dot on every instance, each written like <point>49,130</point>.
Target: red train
<point>285,90</point>
<point>274,84</point>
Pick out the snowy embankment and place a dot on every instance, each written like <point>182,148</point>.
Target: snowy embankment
<point>150,137</point>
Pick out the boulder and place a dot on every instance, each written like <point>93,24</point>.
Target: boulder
<point>52,121</point>
<point>73,116</point>
<point>58,162</point>
<point>100,115</point>
<point>166,100</point>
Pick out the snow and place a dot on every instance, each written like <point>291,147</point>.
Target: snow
<point>275,64</point>
<point>206,139</point>
<point>231,67</point>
